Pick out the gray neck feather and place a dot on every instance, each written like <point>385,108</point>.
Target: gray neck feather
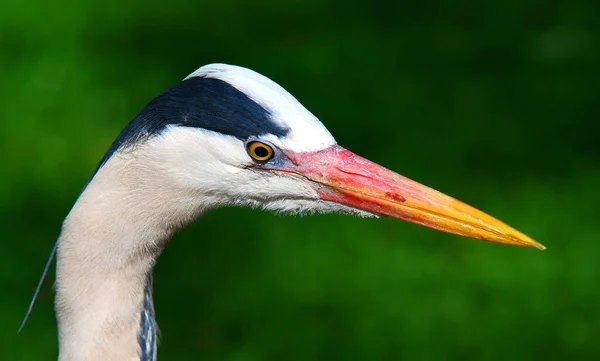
<point>147,331</point>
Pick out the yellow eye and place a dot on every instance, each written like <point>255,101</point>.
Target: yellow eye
<point>260,151</point>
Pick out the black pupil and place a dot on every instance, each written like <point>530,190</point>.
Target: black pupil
<point>261,152</point>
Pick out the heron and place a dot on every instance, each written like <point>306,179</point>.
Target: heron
<point>223,136</point>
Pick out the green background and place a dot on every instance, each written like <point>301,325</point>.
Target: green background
<point>495,103</point>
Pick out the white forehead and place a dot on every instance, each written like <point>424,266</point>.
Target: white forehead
<point>306,134</point>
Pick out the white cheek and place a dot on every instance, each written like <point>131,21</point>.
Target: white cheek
<point>192,158</point>
<point>214,164</point>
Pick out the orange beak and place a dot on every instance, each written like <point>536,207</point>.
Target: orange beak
<point>341,176</point>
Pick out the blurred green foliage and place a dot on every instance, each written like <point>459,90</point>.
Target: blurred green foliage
<point>495,103</point>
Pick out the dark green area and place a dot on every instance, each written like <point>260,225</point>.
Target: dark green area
<point>495,103</point>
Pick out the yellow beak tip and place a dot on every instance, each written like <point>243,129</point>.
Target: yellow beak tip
<point>528,242</point>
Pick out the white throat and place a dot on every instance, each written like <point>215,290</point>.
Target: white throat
<point>106,252</point>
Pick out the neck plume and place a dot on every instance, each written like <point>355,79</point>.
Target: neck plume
<point>106,252</point>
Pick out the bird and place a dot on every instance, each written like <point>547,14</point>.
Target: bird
<point>223,136</point>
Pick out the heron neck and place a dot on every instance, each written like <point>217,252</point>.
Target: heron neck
<point>106,252</point>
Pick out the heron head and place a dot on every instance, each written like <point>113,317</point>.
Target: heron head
<point>229,136</point>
